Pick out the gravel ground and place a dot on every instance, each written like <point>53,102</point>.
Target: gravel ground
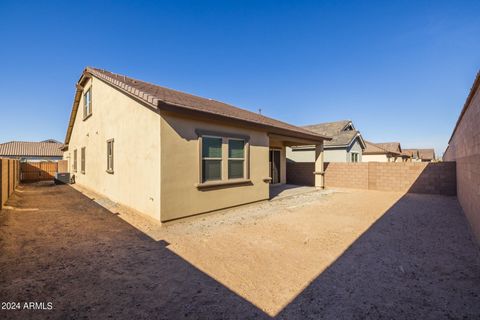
<point>349,254</point>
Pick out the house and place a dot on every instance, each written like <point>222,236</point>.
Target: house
<point>427,155</point>
<point>413,155</point>
<point>48,150</point>
<point>384,152</point>
<point>170,154</point>
<point>347,144</point>
<point>421,155</point>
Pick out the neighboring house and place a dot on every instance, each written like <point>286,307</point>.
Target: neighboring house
<point>421,155</point>
<point>170,154</point>
<point>427,155</point>
<point>48,150</point>
<point>347,144</point>
<point>413,155</point>
<point>384,152</point>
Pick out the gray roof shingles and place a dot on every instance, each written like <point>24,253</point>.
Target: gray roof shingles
<point>334,130</point>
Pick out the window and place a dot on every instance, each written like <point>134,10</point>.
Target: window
<point>87,104</point>
<point>236,158</point>
<point>75,160</point>
<point>354,156</point>
<point>211,159</point>
<point>82,164</point>
<point>110,156</point>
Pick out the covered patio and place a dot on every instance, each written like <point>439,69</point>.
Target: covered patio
<point>278,161</point>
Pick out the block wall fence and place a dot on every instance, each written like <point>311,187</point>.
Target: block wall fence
<point>415,177</point>
<point>464,148</point>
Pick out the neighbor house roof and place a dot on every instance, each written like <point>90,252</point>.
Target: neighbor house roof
<point>411,152</point>
<point>336,130</point>
<point>46,148</point>
<point>426,154</point>
<point>163,98</point>
<point>382,148</point>
<point>393,147</point>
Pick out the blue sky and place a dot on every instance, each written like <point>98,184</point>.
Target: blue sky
<point>401,70</point>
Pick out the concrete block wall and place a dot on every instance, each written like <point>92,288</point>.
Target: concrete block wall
<point>464,148</point>
<point>301,173</point>
<point>347,175</point>
<point>432,178</point>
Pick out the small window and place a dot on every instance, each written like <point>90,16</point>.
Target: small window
<point>87,103</point>
<point>82,164</point>
<point>75,160</point>
<point>211,159</point>
<point>354,156</point>
<point>110,156</point>
<point>236,159</point>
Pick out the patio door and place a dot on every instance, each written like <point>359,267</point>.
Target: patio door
<point>274,166</point>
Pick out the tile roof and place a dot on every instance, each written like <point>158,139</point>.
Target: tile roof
<point>427,154</point>
<point>411,152</point>
<point>157,96</point>
<point>393,147</point>
<point>382,148</point>
<point>37,149</point>
<point>334,130</point>
<point>424,154</point>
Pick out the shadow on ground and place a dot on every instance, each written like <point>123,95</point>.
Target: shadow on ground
<point>414,262</point>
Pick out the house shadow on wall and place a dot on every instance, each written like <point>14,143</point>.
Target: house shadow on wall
<point>417,261</point>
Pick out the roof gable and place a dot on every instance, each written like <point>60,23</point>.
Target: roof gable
<point>382,148</point>
<point>343,133</point>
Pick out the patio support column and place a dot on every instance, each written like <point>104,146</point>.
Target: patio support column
<point>319,181</point>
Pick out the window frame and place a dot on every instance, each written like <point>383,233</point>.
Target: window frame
<point>202,179</point>
<point>235,159</point>
<point>225,137</point>
<point>83,159</point>
<point>85,114</point>
<point>75,162</point>
<point>110,157</point>
<point>356,154</point>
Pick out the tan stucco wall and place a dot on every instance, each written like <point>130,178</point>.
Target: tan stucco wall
<point>330,155</point>
<point>180,165</point>
<point>374,158</point>
<point>136,132</point>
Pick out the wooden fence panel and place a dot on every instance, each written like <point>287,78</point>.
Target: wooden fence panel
<point>38,171</point>
<point>11,174</point>
<point>9,179</point>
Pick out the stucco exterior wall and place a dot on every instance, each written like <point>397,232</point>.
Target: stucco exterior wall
<point>136,132</point>
<point>354,147</point>
<point>330,155</point>
<point>464,148</point>
<point>301,155</point>
<point>374,158</point>
<point>180,166</point>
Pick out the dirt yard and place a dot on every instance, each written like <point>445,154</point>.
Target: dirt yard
<point>346,254</point>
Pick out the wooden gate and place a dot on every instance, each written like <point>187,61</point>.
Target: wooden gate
<point>38,171</point>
